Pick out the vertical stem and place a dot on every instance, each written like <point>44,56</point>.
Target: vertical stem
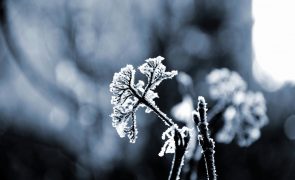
<point>193,162</point>
<point>207,143</point>
<point>180,148</point>
<point>176,165</point>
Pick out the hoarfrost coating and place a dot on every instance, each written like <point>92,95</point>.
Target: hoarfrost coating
<point>126,99</point>
<point>170,144</point>
<point>128,96</point>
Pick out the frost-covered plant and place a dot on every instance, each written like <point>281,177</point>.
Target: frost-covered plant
<point>244,112</point>
<point>128,97</point>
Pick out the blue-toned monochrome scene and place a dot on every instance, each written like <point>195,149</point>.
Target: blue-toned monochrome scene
<point>147,90</point>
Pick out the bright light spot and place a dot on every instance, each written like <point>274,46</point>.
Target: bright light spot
<point>274,40</point>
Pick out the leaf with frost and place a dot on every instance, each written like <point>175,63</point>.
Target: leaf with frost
<point>125,103</point>
<point>127,96</point>
<point>125,122</point>
<point>155,71</point>
<point>121,85</point>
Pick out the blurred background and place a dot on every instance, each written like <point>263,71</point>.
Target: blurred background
<point>58,57</point>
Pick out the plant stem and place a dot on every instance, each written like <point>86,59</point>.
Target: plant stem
<point>207,143</point>
<point>181,145</point>
<point>193,162</point>
<point>176,166</point>
<point>162,115</point>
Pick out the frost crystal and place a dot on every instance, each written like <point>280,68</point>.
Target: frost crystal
<point>128,96</point>
<point>170,144</point>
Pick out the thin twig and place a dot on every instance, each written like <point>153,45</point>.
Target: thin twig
<point>207,143</point>
<point>181,145</point>
<point>168,121</point>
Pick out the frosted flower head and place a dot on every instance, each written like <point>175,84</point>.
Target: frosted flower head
<point>127,96</point>
<point>244,120</point>
<point>224,83</point>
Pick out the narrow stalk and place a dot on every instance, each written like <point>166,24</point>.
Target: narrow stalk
<point>193,162</point>
<point>181,145</point>
<point>207,143</point>
<point>162,115</point>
